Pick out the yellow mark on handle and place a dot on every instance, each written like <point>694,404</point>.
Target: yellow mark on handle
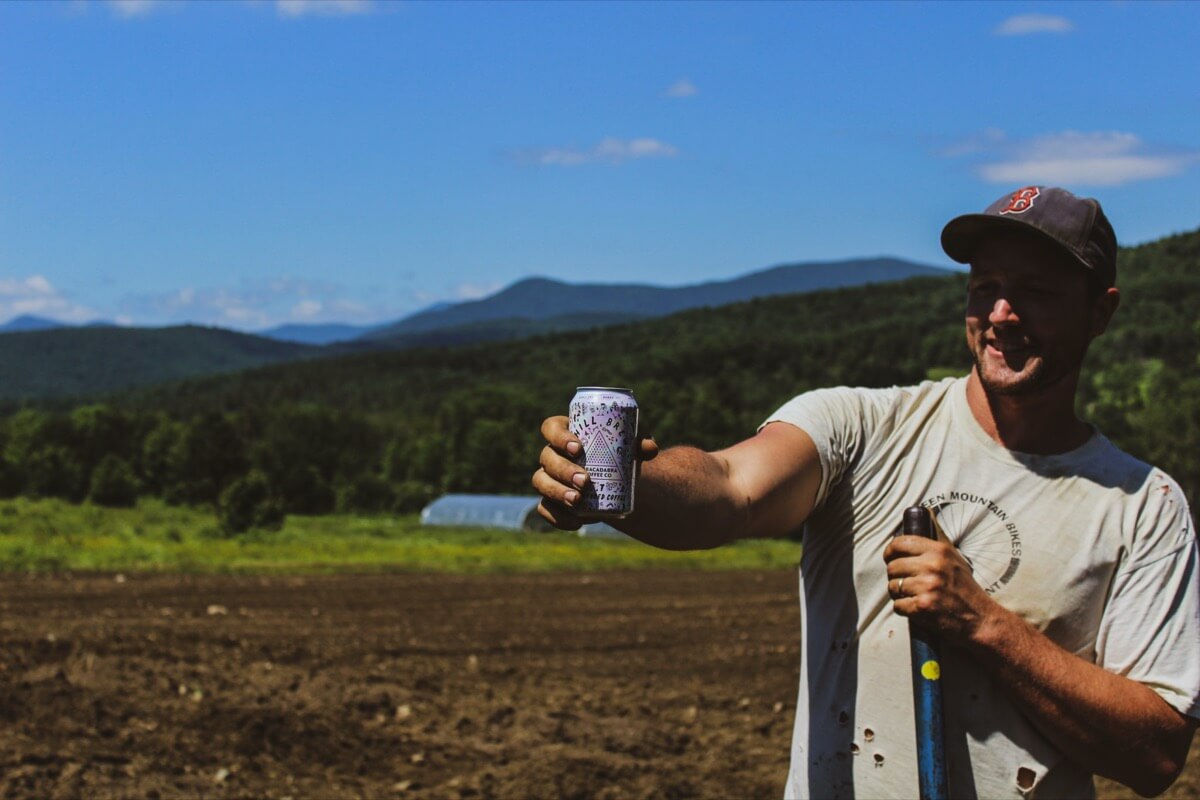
<point>931,670</point>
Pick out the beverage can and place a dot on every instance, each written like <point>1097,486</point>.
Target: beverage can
<point>605,420</point>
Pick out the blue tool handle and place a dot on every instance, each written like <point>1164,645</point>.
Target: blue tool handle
<point>927,687</point>
<point>930,722</point>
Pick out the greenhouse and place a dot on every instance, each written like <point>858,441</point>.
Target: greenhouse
<point>500,511</point>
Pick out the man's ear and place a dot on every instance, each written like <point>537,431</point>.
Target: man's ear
<point>1103,308</point>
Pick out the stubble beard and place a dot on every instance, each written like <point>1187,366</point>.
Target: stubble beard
<point>1028,381</point>
<point>1035,376</point>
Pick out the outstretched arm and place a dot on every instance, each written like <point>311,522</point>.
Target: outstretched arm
<point>1106,723</point>
<point>689,499</point>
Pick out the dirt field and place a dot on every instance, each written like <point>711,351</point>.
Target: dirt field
<point>663,684</point>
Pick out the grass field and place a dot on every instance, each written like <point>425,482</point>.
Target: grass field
<point>52,536</point>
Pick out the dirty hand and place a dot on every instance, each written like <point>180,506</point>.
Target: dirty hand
<point>931,583</point>
<point>560,481</point>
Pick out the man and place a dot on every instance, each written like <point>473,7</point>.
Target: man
<point>1065,588</point>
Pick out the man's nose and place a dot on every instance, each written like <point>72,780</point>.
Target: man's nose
<point>1003,313</point>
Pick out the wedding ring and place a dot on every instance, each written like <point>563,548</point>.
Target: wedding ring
<point>900,586</point>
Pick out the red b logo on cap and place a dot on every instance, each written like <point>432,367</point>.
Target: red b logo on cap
<point>1021,200</point>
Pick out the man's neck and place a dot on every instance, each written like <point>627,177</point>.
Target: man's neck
<point>1041,424</point>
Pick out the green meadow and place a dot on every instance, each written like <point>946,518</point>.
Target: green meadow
<point>55,536</point>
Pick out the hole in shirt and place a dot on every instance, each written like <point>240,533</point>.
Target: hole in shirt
<point>854,749</point>
<point>879,759</point>
<point>869,734</point>
<point>843,718</point>
<point>1026,778</point>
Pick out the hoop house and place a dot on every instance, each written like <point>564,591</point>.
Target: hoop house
<point>500,511</point>
<point>485,511</point>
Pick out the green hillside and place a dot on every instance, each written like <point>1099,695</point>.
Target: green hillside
<point>738,361</point>
<point>390,429</point>
<point>66,362</point>
<point>498,330</point>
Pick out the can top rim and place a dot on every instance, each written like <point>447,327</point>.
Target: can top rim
<point>616,389</point>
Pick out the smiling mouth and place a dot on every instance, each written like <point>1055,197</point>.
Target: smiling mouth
<point>1007,349</point>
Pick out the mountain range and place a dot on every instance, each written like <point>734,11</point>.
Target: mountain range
<point>40,358</point>
<point>543,298</point>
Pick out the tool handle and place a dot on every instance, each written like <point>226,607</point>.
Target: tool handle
<point>927,685</point>
<point>917,522</point>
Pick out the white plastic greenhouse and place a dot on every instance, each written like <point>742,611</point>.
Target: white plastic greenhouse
<point>500,511</point>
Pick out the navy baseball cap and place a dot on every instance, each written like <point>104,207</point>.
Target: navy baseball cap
<point>1076,225</point>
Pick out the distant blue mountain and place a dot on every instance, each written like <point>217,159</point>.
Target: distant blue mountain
<point>544,298</point>
<point>28,322</point>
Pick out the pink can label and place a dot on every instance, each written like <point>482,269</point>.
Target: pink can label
<point>605,421</point>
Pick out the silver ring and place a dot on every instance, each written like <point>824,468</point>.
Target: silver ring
<point>900,586</point>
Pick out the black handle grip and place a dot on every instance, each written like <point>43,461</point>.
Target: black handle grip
<point>917,522</point>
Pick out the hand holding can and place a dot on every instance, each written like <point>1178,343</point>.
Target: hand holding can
<point>562,478</point>
<point>605,420</point>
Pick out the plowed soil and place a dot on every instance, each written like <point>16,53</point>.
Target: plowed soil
<point>640,684</point>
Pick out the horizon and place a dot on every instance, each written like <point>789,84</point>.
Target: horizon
<point>438,305</point>
<point>248,165</point>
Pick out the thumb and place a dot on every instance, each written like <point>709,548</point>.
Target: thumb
<point>647,448</point>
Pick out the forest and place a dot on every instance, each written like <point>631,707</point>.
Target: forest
<point>388,431</point>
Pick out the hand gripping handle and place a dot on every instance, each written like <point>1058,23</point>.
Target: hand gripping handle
<point>927,685</point>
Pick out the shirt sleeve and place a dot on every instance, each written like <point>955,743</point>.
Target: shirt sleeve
<point>1150,631</point>
<point>840,422</point>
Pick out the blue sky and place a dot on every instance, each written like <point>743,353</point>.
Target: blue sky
<point>253,163</point>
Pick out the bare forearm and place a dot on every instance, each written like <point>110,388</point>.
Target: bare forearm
<point>687,499</point>
<point>1108,724</point>
<point>684,502</point>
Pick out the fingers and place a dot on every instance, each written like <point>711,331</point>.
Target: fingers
<point>647,448</point>
<point>559,480</point>
<point>557,432</point>
<point>559,515</point>
<point>561,469</point>
<point>913,585</point>
<point>931,583</point>
<point>909,546</point>
<point>914,573</point>
<point>563,493</point>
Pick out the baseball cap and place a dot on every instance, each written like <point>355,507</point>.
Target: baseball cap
<point>1077,225</point>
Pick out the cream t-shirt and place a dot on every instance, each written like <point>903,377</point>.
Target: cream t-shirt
<point>1093,547</point>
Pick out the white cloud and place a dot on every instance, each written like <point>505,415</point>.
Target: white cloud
<point>1102,158</point>
<point>306,309</point>
<point>322,8</point>
<point>259,304</point>
<point>473,291</point>
<point>682,88</point>
<point>37,296</point>
<point>609,150</point>
<point>1026,24</point>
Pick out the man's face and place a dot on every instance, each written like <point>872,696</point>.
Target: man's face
<point>1030,315</point>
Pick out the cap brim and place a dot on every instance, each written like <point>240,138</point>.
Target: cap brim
<point>963,234</point>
